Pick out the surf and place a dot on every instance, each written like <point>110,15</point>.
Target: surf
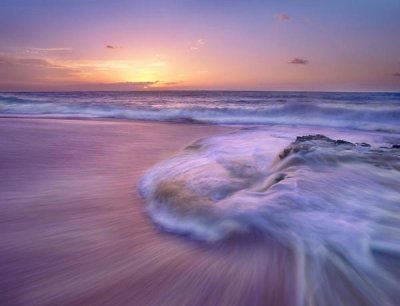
<point>333,203</point>
<point>371,112</point>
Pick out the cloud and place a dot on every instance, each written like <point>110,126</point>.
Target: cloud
<point>198,44</point>
<point>113,47</point>
<point>12,62</point>
<point>46,50</point>
<point>299,61</point>
<point>397,74</point>
<point>172,83</point>
<point>119,86</point>
<point>51,49</point>
<point>282,17</point>
<point>43,74</point>
<point>28,73</point>
<point>35,62</point>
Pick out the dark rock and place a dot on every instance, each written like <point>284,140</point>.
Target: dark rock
<point>343,142</point>
<point>187,120</point>
<point>279,177</point>
<point>326,150</point>
<point>313,137</point>
<point>322,138</point>
<point>285,152</point>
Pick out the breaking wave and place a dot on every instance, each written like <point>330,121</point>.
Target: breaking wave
<point>334,203</point>
<point>357,111</point>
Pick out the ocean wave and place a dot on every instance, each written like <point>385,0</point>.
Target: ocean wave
<point>334,203</point>
<point>332,110</point>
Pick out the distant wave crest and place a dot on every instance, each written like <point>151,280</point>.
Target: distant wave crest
<point>380,112</point>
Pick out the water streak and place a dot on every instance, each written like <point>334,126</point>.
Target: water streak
<point>334,203</point>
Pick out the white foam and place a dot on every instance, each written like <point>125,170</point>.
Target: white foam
<point>356,111</point>
<point>337,203</point>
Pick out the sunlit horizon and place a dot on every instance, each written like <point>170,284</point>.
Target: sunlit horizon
<point>185,45</point>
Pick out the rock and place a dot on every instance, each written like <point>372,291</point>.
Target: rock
<point>320,137</point>
<point>343,142</point>
<point>313,137</point>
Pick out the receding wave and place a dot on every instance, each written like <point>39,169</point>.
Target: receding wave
<point>334,203</point>
<point>293,110</point>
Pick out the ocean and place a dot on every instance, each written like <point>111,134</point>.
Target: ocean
<point>362,111</point>
<point>317,172</point>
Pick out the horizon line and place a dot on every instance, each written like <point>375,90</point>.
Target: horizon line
<point>201,90</point>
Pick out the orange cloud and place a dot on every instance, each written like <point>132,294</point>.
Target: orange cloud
<point>282,17</point>
<point>113,47</point>
<point>299,61</point>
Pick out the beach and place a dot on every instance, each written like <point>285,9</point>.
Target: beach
<point>199,153</point>
<point>75,231</point>
<point>199,198</point>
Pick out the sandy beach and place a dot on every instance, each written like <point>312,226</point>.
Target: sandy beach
<point>74,230</point>
<point>199,153</point>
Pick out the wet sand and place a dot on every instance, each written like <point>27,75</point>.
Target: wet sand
<point>74,231</point>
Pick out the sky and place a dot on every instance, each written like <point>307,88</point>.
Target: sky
<point>319,45</point>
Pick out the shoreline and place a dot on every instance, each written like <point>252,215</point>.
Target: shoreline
<point>75,230</point>
<point>312,129</point>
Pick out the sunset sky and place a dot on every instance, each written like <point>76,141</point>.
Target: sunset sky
<point>333,45</point>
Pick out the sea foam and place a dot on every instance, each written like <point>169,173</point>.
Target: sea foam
<point>332,202</point>
<point>360,111</point>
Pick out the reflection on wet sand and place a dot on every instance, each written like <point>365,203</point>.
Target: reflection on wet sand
<point>74,229</point>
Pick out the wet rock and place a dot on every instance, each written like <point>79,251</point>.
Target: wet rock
<point>310,143</point>
<point>343,142</point>
<point>313,137</point>
<point>285,152</point>
<point>294,148</point>
<point>363,144</point>
<point>321,137</point>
